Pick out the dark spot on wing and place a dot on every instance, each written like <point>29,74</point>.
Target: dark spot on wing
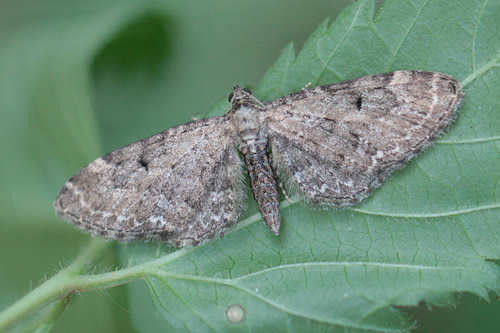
<point>143,163</point>
<point>359,103</point>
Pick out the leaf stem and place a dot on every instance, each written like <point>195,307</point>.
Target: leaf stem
<point>59,286</point>
<point>46,320</point>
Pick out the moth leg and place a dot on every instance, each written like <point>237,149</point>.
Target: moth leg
<point>285,194</point>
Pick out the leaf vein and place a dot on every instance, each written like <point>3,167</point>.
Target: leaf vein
<point>432,215</point>
<point>474,35</point>
<point>493,63</point>
<point>356,264</point>
<point>334,51</point>
<point>405,35</point>
<point>469,141</point>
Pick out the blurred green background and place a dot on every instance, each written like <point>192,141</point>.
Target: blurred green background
<point>81,78</point>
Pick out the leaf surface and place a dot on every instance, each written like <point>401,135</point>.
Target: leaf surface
<point>432,230</point>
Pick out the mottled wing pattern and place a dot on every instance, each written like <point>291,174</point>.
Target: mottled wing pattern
<point>337,142</point>
<point>181,186</point>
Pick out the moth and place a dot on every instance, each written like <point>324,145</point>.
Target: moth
<point>331,144</point>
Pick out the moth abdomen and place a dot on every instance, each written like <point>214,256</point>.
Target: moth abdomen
<point>264,187</point>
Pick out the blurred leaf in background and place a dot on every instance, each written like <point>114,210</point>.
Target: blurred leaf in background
<point>82,78</point>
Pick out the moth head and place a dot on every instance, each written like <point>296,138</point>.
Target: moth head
<point>239,95</point>
<point>243,97</point>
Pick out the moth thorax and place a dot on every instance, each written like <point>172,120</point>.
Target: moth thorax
<point>247,122</point>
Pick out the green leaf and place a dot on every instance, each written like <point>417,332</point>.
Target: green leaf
<point>431,231</point>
